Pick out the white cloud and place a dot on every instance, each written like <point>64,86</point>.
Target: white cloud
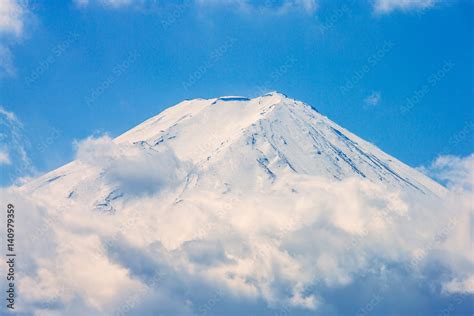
<point>246,6</point>
<point>81,2</point>
<point>388,6</point>
<point>460,286</point>
<point>309,5</point>
<point>13,138</point>
<point>107,3</point>
<point>13,17</point>
<point>282,246</point>
<point>9,116</point>
<point>456,172</point>
<point>373,99</point>
<point>273,7</point>
<point>117,3</point>
<point>12,13</point>
<point>4,156</point>
<point>458,175</point>
<point>129,167</point>
<point>7,67</point>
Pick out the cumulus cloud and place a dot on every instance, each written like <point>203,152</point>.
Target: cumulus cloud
<point>388,6</point>
<point>130,167</point>
<point>457,173</point>
<point>465,286</point>
<point>196,245</point>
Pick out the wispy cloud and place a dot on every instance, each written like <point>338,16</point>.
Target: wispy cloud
<point>12,14</point>
<point>7,68</point>
<point>243,6</point>
<point>13,145</point>
<point>456,172</point>
<point>106,3</point>
<point>283,7</point>
<point>373,99</point>
<point>4,156</point>
<point>10,116</point>
<point>388,6</point>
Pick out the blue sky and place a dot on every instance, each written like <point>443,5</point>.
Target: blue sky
<point>397,73</point>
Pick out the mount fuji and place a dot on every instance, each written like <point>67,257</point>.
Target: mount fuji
<point>235,206</point>
<point>238,144</point>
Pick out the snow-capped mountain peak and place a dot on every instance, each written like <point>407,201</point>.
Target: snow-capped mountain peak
<point>249,143</point>
<point>278,133</point>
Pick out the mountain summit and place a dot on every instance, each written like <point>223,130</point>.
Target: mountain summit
<point>239,143</point>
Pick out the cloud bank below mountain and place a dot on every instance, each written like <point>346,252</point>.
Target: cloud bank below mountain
<point>304,245</point>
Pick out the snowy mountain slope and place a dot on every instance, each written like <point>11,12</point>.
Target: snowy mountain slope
<point>237,140</point>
